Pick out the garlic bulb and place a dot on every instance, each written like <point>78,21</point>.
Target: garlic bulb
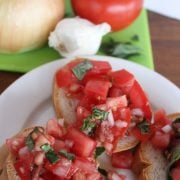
<point>26,24</point>
<point>77,36</point>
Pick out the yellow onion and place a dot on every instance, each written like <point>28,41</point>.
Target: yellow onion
<point>26,24</point>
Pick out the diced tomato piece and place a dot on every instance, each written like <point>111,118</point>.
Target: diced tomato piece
<point>59,144</point>
<point>65,77</point>
<point>74,63</point>
<point>175,173</point>
<point>117,102</point>
<point>54,129</point>
<point>138,99</point>
<point>97,89</point>
<point>140,135</point>
<point>47,175</point>
<point>100,67</point>
<point>115,92</point>
<point>122,159</point>
<point>15,144</point>
<point>160,120</point>
<point>87,102</point>
<point>79,176</point>
<point>122,79</point>
<point>21,169</point>
<point>81,114</point>
<point>115,176</point>
<point>94,176</point>
<point>83,145</point>
<point>160,139</point>
<point>85,165</point>
<point>61,168</point>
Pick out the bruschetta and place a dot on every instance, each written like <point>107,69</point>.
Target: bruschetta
<point>83,86</point>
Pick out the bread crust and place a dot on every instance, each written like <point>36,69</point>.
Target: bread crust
<point>152,167</point>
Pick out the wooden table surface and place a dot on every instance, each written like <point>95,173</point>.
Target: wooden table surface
<point>165,36</point>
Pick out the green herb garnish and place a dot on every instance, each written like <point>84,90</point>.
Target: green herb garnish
<point>29,142</point>
<point>99,151</point>
<point>88,125</point>
<point>120,49</point>
<point>49,153</point>
<point>102,171</point>
<point>81,69</point>
<point>66,154</point>
<point>144,127</point>
<point>99,114</point>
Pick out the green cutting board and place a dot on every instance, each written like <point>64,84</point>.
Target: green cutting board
<point>24,62</point>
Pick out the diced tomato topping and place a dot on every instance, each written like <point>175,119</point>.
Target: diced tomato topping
<point>54,129</point>
<point>122,79</point>
<point>59,144</point>
<point>85,165</point>
<point>115,92</point>
<point>81,114</point>
<point>140,135</point>
<point>115,176</point>
<point>61,168</point>
<point>175,173</point>
<point>15,144</point>
<point>160,139</point>
<point>160,120</point>
<point>100,67</point>
<point>83,145</point>
<point>65,77</point>
<point>117,102</point>
<point>122,159</point>
<point>138,99</point>
<point>97,89</point>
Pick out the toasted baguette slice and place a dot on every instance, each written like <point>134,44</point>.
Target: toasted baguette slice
<point>64,106</point>
<point>149,162</point>
<point>125,143</point>
<point>8,171</point>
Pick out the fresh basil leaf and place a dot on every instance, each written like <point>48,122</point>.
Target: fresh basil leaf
<point>99,114</point>
<point>99,151</point>
<point>66,154</point>
<point>119,49</point>
<point>49,153</point>
<point>144,127</point>
<point>88,125</point>
<point>103,171</point>
<point>81,69</point>
<point>46,147</point>
<point>29,142</point>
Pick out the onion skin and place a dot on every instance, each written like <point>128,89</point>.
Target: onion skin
<point>25,25</point>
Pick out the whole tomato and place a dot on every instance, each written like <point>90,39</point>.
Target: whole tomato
<point>118,13</point>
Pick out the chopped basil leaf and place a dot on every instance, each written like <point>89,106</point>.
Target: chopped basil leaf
<point>102,171</point>
<point>46,147</point>
<point>144,127</point>
<point>66,154</point>
<point>99,114</point>
<point>119,49</point>
<point>99,151</point>
<point>88,125</point>
<point>29,142</point>
<point>175,127</point>
<point>49,153</point>
<point>81,69</point>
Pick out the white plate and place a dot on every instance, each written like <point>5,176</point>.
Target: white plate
<point>28,100</point>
